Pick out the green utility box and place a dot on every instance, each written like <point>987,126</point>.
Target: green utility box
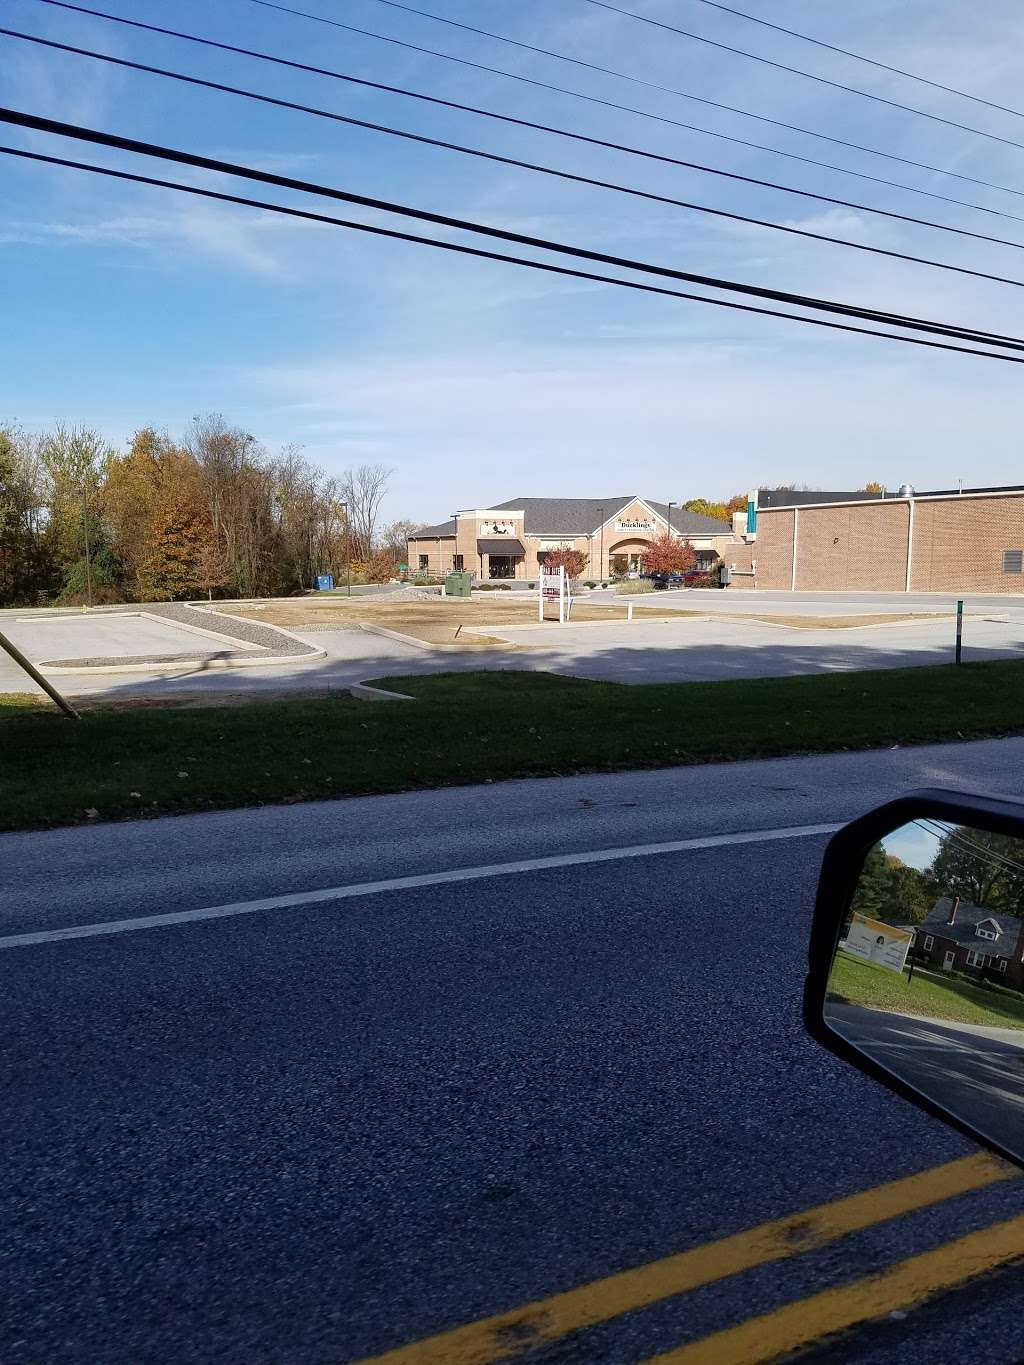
<point>458,584</point>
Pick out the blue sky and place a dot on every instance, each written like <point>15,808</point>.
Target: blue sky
<point>913,845</point>
<point>475,381</point>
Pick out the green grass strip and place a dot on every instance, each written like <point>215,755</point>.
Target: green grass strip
<point>468,727</point>
<point>926,996</point>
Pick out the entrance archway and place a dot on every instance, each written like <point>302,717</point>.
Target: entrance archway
<point>626,556</point>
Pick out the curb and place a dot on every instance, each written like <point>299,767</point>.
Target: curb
<point>364,692</point>
<point>204,664</point>
<point>390,634</point>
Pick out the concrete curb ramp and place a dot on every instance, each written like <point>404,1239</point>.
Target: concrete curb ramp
<point>364,692</point>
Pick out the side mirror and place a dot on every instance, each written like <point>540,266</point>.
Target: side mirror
<point>916,972</point>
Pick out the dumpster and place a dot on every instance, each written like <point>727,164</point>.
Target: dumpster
<point>458,583</point>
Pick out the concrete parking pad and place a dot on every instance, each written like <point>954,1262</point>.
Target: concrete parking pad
<point>125,635</point>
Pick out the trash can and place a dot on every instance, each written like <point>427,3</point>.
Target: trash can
<point>724,576</point>
<point>458,584</point>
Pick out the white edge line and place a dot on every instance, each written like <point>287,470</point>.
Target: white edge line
<point>459,874</point>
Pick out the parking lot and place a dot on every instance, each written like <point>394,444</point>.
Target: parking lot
<point>730,639</point>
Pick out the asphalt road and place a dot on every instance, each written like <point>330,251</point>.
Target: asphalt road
<point>978,1073</point>
<point>318,1129</point>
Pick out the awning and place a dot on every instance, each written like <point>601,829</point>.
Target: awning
<point>501,545</point>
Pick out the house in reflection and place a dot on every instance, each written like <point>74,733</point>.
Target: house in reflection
<point>959,936</point>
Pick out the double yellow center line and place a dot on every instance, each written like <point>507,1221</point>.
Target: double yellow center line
<point>508,1335</point>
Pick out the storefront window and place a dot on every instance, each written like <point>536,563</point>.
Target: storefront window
<point>423,562</point>
<point>501,566</point>
<point>457,563</point>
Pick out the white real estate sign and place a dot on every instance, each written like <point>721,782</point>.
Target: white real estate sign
<point>882,944</point>
<point>553,584</point>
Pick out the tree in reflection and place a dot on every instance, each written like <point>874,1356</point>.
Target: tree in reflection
<point>890,891</point>
<point>981,867</point>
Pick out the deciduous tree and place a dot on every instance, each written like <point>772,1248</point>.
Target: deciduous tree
<point>574,561</point>
<point>669,554</point>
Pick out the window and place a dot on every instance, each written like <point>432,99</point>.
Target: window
<point>999,963</point>
<point>986,933</point>
<point>423,561</point>
<point>975,959</point>
<point>1013,561</point>
<point>457,563</point>
<point>929,943</point>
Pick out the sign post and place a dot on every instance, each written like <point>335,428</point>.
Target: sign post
<point>554,584</point>
<point>959,627</point>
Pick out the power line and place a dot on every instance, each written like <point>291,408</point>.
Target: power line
<point>576,136</point>
<point>506,160</point>
<point>781,66</point>
<point>603,70</point>
<point>82,134</point>
<point>956,834</point>
<point>860,57</point>
<point>480,253</point>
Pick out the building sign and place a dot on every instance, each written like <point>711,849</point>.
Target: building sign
<point>636,524</point>
<point>882,944</point>
<point>497,528</point>
<point>555,544</point>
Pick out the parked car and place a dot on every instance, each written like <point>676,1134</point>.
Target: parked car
<point>689,578</point>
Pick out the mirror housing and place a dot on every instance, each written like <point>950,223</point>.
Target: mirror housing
<point>963,1074</point>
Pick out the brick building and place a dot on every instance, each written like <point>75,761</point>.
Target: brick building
<point>509,540</point>
<point>969,540</point>
<point>958,936</point>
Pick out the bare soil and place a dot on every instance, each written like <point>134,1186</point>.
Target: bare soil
<point>435,622</point>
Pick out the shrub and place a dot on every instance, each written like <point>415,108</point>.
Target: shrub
<point>590,583</point>
<point>704,580</point>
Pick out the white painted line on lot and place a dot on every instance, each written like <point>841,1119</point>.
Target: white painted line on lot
<point>458,874</point>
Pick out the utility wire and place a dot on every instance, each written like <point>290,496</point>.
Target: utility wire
<point>576,136</point>
<point>964,841</point>
<point>781,66</point>
<point>860,57</point>
<point>606,71</point>
<point>506,160</point>
<point>481,253</point>
<point>82,134</point>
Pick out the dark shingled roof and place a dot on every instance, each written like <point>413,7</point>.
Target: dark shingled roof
<point>962,931</point>
<point>580,516</point>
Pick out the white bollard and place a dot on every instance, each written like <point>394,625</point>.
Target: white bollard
<point>629,611</point>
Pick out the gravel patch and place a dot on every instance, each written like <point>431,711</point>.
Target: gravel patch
<point>274,641</point>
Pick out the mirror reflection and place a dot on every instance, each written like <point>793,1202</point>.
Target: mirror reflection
<point>928,978</point>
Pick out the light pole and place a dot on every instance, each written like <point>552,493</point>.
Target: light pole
<point>88,557</point>
<point>600,518</point>
<point>670,506</point>
<point>348,550</point>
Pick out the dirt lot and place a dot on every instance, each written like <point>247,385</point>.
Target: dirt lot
<point>435,621</point>
<point>438,621</point>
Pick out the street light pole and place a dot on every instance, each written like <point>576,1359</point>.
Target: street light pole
<point>348,551</point>
<point>600,518</point>
<point>88,557</point>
